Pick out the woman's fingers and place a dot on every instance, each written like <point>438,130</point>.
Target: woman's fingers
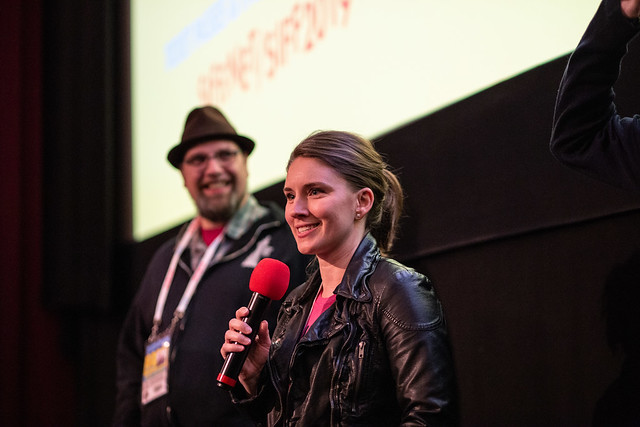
<point>236,338</point>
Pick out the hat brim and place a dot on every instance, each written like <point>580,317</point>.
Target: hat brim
<point>176,154</point>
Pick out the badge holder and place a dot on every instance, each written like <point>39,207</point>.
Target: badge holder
<point>155,374</point>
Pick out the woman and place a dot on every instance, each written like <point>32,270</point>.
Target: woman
<point>363,341</point>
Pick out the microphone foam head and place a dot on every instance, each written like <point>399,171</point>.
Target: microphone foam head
<point>270,278</point>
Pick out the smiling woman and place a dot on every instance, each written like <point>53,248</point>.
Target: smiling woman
<point>361,321</point>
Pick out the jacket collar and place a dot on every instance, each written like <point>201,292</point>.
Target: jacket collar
<point>246,216</point>
<point>353,284</point>
<point>243,228</point>
<point>362,264</point>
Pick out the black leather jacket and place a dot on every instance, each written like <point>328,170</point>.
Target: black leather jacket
<point>379,357</point>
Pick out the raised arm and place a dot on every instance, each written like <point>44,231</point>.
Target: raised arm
<point>588,135</point>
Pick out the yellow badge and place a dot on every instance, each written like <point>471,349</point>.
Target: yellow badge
<point>155,373</point>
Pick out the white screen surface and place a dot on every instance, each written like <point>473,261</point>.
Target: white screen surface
<point>280,69</point>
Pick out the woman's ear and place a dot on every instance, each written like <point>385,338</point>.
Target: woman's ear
<point>364,202</point>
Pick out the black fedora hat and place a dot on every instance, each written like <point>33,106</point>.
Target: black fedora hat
<point>204,124</point>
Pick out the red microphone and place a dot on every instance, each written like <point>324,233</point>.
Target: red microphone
<point>269,281</point>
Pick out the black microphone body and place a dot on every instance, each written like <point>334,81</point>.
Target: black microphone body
<point>232,366</point>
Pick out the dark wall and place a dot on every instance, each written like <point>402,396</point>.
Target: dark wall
<point>525,314</point>
<point>518,246</point>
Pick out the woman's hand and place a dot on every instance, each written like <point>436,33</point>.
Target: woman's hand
<point>235,340</point>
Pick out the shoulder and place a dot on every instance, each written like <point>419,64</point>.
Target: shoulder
<point>396,275</point>
<point>161,257</point>
<point>272,220</point>
<point>273,224</point>
<point>275,210</point>
<point>405,296</point>
<point>166,248</point>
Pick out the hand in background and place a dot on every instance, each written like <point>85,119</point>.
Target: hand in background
<point>630,8</point>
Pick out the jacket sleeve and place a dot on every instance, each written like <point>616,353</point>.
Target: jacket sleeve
<point>259,406</point>
<point>130,359</point>
<point>417,341</point>
<point>131,345</point>
<point>588,135</point>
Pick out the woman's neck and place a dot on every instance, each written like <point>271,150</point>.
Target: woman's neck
<point>332,272</point>
<point>331,277</point>
<point>332,267</point>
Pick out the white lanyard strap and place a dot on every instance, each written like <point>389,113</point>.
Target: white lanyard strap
<point>193,281</point>
<point>197,275</point>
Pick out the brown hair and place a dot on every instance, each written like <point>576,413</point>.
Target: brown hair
<point>357,161</point>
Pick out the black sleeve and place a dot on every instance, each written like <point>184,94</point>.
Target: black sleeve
<point>588,135</point>
<point>131,345</point>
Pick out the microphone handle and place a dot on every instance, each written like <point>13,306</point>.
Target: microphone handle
<point>232,366</point>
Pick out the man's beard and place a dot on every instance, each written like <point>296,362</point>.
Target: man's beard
<point>218,210</point>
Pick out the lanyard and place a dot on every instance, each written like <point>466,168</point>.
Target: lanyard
<point>193,281</point>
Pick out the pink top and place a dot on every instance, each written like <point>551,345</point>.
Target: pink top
<point>319,306</point>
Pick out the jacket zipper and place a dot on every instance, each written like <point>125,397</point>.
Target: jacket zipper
<point>359,372</point>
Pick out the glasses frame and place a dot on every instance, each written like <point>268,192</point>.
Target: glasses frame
<point>223,157</point>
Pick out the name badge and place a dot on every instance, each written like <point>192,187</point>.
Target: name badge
<point>155,374</point>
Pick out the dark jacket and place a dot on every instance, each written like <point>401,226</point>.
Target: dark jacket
<point>194,398</point>
<point>379,357</point>
<point>588,135</point>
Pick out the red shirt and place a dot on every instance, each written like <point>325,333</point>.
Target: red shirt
<point>210,235</point>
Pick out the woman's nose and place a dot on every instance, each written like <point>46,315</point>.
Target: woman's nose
<point>298,207</point>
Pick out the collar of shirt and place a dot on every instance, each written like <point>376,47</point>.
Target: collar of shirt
<point>240,223</point>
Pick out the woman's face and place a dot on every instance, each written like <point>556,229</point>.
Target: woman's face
<point>320,210</point>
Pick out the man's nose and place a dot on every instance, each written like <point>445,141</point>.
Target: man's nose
<point>213,165</point>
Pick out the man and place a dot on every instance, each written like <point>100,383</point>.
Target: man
<point>588,135</point>
<point>195,282</point>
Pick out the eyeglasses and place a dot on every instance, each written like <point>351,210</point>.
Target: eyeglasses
<point>223,157</point>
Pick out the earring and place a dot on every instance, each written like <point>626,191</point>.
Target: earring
<point>357,215</point>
